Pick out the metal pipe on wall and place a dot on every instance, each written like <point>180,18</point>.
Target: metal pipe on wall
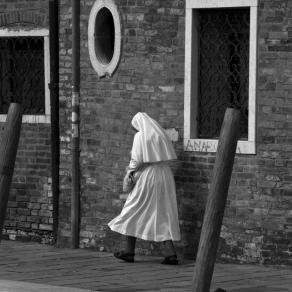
<point>75,196</point>
<point>54,101</point>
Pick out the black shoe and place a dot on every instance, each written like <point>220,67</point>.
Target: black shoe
<point>170,260</point>
<point>127,257</point>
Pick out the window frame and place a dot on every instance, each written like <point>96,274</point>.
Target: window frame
<point>32,119</point>
<point>191,77</point>
<point>100,68</point>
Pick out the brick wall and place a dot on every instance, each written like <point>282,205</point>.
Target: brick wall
<point>258,220</point>
<point>15,13</point>
<point>29,214</point>
<point>150,77</point>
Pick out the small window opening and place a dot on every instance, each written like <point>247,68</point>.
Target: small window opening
<point>22,74</point>
<point>104,36</point>
<point>223,68</point>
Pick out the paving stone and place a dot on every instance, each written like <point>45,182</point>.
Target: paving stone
<point>260,289</point>
<point>33,267</point>
<point>17,286</point>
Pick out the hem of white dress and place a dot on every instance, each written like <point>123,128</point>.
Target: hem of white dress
<point>141,236</point>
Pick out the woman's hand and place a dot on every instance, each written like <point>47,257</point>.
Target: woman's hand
<point>128,182</point>
<point>134,165</point>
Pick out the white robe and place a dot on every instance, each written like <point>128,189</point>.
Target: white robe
<point>150,211</point>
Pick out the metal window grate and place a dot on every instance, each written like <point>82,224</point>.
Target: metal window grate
<point>22,74</point>
<point>223,68</point>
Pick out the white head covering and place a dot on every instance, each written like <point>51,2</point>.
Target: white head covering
<point>156,145</point>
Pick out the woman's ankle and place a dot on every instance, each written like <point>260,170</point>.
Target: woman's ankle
<point>169,249</point>
<point>130,244</point>
<point>129,251</point>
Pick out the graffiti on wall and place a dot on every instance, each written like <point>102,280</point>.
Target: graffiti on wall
<point>202,145</point>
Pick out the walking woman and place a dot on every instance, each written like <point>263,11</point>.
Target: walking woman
<point>150,211</point>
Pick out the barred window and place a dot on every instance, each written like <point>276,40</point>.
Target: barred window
<point>22,73</point>
<point>220,71</point>
<point>223,68</point>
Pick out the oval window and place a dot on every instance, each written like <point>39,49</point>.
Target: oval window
<point>104,37</point>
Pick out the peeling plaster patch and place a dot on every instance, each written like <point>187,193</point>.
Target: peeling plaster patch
<point>167,88</point>
<point>91,181</point>
<point>272,178</point>
<point>172,134</point>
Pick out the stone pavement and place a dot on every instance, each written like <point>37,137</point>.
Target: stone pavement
<point>31,267</point>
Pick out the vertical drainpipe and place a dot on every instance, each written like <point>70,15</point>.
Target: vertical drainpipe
<point>75,196</point>
<point>54,101</point>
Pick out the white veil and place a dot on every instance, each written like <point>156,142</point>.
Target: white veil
<point>156,145</point>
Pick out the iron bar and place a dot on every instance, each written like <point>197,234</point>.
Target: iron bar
<point>75,197</point>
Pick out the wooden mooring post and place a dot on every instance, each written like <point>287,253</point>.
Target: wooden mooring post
<point>216,201</point>
<point>8,149</point>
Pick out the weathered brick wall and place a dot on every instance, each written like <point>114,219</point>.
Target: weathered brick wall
<point>258,219</point>
<point>150,77</point>
<point>29,214</point>
<point>15,13</point>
